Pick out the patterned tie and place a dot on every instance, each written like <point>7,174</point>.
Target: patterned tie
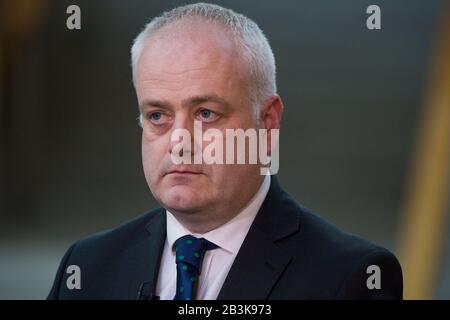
<point>189,257</point>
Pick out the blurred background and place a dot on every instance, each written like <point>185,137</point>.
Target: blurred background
<point>364,138</point>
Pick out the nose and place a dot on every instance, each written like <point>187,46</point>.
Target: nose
<point>183,137</point>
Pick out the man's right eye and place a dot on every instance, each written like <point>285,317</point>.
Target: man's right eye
<point>155,117</point>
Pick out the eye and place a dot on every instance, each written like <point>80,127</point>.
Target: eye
<point>156,117</point>
<point>207,115</point>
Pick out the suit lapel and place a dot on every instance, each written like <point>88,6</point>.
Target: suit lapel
<point>261,261</point>
<point>256,270</point>
<point>141,260</point>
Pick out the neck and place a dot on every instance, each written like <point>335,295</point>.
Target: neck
<point>207,219</point>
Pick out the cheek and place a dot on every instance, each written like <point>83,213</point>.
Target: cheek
<point>153,145</point>
<point>153,151</point>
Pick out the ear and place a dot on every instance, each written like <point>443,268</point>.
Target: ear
<point>271,114</point>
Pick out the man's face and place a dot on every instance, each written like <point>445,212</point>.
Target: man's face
<point>195,74</point>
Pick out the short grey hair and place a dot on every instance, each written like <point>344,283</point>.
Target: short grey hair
<point>256,51</point>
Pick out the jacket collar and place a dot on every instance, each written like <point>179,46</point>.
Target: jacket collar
<point>261,261</point>
<point>257,267</point>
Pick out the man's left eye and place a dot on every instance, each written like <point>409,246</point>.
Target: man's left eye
<point>208,115</point>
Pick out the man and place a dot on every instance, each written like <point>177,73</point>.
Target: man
<point>224,231</point>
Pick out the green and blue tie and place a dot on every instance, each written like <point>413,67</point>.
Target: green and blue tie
<point>189,257</point>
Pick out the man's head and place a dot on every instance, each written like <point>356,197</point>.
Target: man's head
<point>206,63</point>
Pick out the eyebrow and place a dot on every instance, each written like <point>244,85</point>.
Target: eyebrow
<point>193,101</point>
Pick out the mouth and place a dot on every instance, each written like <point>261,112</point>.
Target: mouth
<point>182,171</point>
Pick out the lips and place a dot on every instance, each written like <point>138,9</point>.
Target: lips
<point>183,171</point>
<point>178,171</point>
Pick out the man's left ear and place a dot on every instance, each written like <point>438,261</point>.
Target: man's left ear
<point>271,113</point>
<point>271,119</point>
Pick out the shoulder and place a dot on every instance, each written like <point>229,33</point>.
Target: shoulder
<point>113,240</point>
<point>326,236</point>
<point>343,262</point>
<point>102,256</point>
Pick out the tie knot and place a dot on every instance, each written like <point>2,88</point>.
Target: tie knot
<point>191,250</point>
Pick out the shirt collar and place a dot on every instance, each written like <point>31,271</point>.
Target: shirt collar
<point>230,235</point>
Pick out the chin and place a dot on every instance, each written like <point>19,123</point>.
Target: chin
<point>183,198</point>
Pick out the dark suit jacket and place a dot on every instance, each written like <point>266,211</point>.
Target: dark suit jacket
<point>288,253</point>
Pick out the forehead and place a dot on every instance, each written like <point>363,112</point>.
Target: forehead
<point>189,42</point>
<point>188,55</point>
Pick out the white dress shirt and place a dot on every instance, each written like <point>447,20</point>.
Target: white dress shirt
<point>217,262</point>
